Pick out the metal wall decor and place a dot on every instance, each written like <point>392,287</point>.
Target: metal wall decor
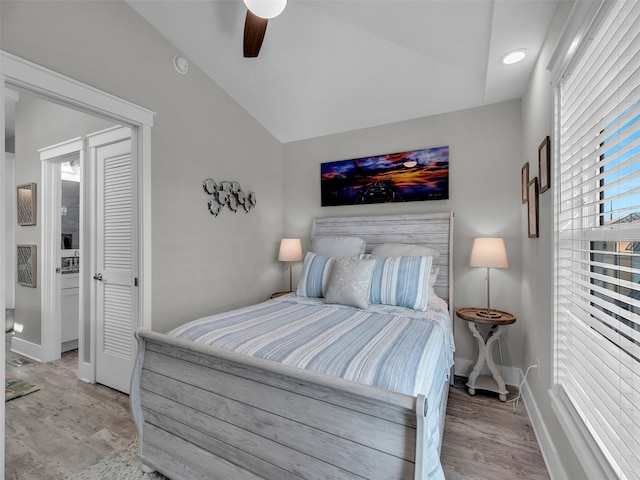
<point>229,194</point>
<point>26,202</point>
<point>27,262</point>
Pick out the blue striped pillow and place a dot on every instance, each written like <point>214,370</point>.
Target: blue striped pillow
<point>315,275</point>
<point>401,281</point>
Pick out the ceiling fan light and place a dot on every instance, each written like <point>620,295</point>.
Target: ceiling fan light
<point>266,8</point>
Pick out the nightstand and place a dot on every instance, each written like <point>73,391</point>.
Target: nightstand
<point>279,294</point>
<point>493,382</point>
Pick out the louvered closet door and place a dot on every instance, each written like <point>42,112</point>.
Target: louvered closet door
<point>115,251</point>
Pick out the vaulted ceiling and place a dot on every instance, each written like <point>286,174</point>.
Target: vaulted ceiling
<point>337,65</point>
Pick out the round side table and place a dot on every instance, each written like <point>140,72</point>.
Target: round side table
<point>493,382</point>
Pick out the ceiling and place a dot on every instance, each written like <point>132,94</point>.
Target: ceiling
<point>337,65</point>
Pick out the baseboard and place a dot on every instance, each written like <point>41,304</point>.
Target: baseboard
<point>26,349</point>
<point>511,375</point>
<point>547,447</point>
<point>70,345</point>
<point>86,372</point>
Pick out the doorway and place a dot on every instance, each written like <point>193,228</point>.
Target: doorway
<point>89,234</point>
<point>22,75</point>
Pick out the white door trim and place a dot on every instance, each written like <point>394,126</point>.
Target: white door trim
<point>50,320</point>
<point>23,74</point>
<point>3,237</point>
<point>20,73</point>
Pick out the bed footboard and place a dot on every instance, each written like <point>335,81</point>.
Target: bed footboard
<point>203,412</point>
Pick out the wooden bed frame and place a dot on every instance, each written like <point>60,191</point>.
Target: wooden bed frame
<point>203,412</point>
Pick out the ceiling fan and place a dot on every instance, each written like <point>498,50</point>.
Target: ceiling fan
<point>255,24</point>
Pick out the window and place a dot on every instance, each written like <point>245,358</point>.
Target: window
<point>597,257</point>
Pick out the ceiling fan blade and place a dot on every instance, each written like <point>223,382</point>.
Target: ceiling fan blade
<point>254,29</point>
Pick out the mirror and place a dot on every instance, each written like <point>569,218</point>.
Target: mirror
<point>70,206</point>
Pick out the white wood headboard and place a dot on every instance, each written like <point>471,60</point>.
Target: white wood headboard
<point>432,229</point>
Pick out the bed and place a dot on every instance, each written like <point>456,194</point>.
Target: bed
<point>210,403</point>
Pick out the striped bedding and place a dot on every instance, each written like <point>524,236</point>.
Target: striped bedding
<point>394,348</point>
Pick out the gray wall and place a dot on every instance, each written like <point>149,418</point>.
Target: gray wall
<point>200,263</point>
<point>484,190</point>
<point>40,124</point>
<point>537,254</point>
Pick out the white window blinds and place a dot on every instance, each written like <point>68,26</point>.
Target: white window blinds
<point>597,212</point>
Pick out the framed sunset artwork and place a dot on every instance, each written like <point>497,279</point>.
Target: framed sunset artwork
<point>411,176</point>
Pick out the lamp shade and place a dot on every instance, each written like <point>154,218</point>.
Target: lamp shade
<point>266,8</point>
<point>489,252</point>
<point>290,250</point>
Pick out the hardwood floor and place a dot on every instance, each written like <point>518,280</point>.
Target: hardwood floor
<point>66,426</point>
<point>69,425</point>
<point>485,440</point>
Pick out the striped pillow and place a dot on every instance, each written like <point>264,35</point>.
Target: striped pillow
<point>401,281</point>
<point>315,275</point>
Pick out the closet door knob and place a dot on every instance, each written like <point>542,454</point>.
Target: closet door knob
<point>97,276</point>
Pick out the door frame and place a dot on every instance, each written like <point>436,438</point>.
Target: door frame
<point>50,317</point>
<point>21,74</point>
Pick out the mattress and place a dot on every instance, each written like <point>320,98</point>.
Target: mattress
<point>394,348</point>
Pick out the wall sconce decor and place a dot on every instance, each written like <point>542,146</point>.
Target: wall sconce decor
<point>228,194</point>
<point>27,262</point>
<point>27,204</point>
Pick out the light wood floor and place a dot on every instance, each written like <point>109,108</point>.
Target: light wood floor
<point>69,425</point>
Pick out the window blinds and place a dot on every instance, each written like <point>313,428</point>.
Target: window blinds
<point>597,212</point>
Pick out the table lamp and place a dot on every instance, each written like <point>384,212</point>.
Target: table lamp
<point>290,251</point>
<point>489,253</point>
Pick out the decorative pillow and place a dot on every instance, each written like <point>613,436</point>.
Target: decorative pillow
<point>336,246</point>
<point>314,278</point>
<point>401,281</point>
<point>350,282</point>
<point>433,276</point>
<point>404,250</point>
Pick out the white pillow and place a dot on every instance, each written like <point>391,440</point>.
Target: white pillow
<point>404,250</point>
<point>433,276</point>
<point>336,246</point>
<point>350,282</point>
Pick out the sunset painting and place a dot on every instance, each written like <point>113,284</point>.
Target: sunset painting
<point>395,177</point>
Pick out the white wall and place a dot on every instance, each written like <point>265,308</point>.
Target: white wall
<point>200,263</point>
<point>9,203</point>
<point>537,254</point>
<point>484,192</point>
<point>40,124</point>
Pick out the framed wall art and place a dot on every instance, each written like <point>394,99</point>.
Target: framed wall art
<point>544,164</point>
<point>524,182</point>
<point>27,204</point>
<point>532,208</point>
<point>410,176</point>
<point>27,261</point>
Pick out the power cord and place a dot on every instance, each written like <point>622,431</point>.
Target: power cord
<point>516,400</point>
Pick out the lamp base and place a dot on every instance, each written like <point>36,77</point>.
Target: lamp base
<point>488,314</point>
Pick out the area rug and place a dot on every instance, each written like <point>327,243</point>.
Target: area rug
<point>15,387</point>
<point>119,465</point>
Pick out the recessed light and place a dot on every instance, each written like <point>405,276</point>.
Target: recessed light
<point>514,56</point>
